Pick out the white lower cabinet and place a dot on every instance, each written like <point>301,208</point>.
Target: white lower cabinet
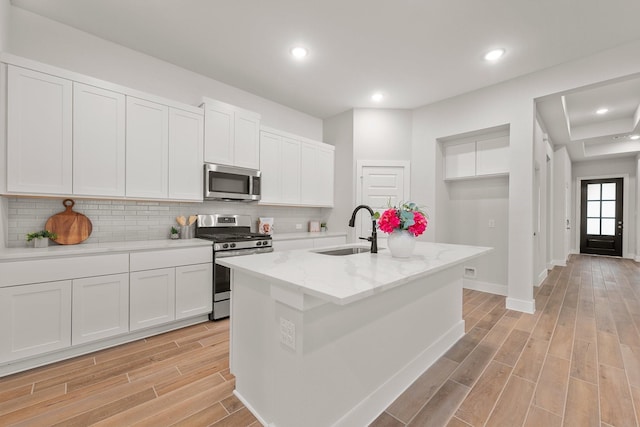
<point>152,297</point>
<point>193,290</point>
<point>34,319</point>
<point>100,307</point>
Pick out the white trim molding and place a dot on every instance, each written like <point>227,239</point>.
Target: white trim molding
<point>478,285</point>
<point>525,306</point>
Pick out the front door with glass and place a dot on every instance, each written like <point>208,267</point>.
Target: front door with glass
<point>601,217</point>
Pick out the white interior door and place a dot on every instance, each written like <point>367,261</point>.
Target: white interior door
<point>382,184</point>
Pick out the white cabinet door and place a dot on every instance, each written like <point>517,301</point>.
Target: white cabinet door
<point>39,133</point>
<point>218,134</point>
<point>324,176</point>
<point>492,156</point>
<point>246,146</point>
<point>231,135</point>
<point>147,149</point>
<point>34,319</point>
<point>460,160</point>
<point>98,141</point>
<point>185,155</point>
<point>100,307</point>
<point>152,298</point>
<point>290,171</point>
<point>270,166</point>
<point>194,290</point>
<point>308,174</point>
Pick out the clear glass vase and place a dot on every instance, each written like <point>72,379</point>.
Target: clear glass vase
<point>401,244</point>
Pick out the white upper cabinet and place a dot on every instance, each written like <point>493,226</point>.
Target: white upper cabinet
<point>99,118</point>
<point>295,171</point>
<point>147,149</point>
<point>270,166</point>
<point>186,138</point>
<point>316,174</point>
<point>246,148</point>
<point>484,155</point>
<point>39,133</point>
<point>231,135</point>
<point>492,156</point>
<point>73,135</point>
<point>280,167</point>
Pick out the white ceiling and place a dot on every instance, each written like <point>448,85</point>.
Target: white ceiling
<point>414,51</point>
<point>570,119</point>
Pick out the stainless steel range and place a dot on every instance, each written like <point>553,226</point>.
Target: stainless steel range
<point>231,236</point>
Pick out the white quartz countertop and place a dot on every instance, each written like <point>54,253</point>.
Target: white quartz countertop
<point>346,279</point>
<point>17,254</point>
<point>307,235</point>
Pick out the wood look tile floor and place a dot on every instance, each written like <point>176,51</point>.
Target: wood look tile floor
<point>576,362</point>
<point>180,378</point>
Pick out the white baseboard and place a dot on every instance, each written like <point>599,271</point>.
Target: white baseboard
<point>251,409</point>
<point>492,288</point>
<point>525,306</point>
<point>382,397</point>
<point>541,276</point>
<point>559,262</point>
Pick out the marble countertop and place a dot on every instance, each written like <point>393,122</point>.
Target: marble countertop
<point>24,253</point>
<point>307,235</point>
<point>346,279</point>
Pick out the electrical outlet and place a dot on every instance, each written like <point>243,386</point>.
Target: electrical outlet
<point>492,223</point>
<point>298,226</point>
<point>470,272</point>
<point>288,333</point>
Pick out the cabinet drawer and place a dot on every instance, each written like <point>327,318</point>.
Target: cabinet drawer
<point>170,258</point>
<point>52,269</point>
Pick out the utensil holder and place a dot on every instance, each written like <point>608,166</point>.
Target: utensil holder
<point>186,231</point>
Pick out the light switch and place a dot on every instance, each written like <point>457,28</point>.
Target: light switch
<point>492,223</point>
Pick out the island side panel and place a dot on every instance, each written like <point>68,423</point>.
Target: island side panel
<point>349,362</point>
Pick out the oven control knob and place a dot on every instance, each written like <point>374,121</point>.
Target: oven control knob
<point>233,245</point>
<point>258,243</point>
<point>265,243</point>
<point>226,245</point>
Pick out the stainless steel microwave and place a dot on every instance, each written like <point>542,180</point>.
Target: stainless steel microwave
<point>231,183</point>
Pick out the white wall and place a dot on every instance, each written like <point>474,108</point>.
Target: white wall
<point>5,11</point>
<point>608,168</point>
<point>50,42</point>
<point>511,103</point>
<point>338,131</point>
<point>471,205</point>
<point>382,134</point>
<point>562,187</point>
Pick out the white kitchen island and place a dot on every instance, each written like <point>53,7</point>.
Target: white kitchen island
<point>320,340</point>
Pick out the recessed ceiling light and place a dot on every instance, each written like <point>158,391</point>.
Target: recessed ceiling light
<point>602,111</point>
<point>377,97</point>
<point>634,137</point>
<point>494,54</point>
<point>299,52</point>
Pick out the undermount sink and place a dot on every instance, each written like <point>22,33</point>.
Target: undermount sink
<point>344,251</point>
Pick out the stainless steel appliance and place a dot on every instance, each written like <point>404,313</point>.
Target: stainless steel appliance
<point>231,183</point>
<point>231,236</point>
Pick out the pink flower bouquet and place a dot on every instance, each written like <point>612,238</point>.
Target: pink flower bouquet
<point>407,217</point>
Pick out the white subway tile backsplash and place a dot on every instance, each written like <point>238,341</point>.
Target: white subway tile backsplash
<point>128,220</point>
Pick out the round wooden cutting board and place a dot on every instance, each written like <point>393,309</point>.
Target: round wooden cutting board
<point>71,227</point>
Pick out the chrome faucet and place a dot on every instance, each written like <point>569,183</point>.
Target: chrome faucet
<point>374,235</point>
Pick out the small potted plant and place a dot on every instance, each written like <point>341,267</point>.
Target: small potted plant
<point>174,233</point>
<point>41,238</point>
<point>323,226</point>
